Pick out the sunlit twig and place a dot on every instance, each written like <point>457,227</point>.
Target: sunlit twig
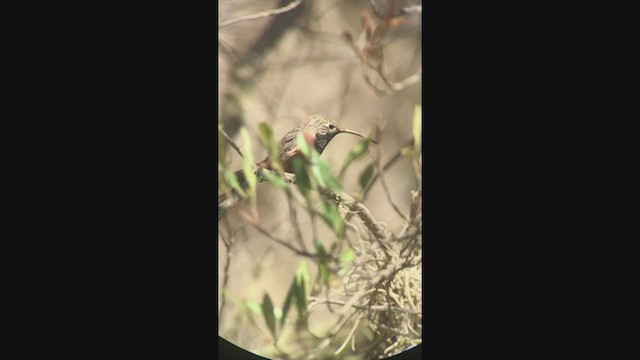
<point>261,15</point>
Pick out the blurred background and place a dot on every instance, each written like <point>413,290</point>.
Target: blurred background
<point>358,62</point>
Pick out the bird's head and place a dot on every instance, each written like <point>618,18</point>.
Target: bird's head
<point>324,130</point>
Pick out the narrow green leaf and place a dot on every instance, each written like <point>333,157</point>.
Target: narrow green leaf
<point>266,135</point>
<point>269,315</point>
<point>277,181</point>
<point>329,213</point>
<point>302,177</point>
<point>247,161</point>
<point>320,250</point>
<point>356,153</point>
<point>322,266</point>
<point>303,145</point>
<point>291,294</point>
<point>233,181</point>
<point>247,310</point>
<point>278,313</point>
<point>417,129</point>
<point>324,273</point>
<point>300,295</point>
<point>303,288</point>
<point>366,175</point>
<point>347,255</point>
<point>304,276</point>
<point>223,184</point>
<point>343,271</point>
<point>253,306</point>
<point>323,174</point>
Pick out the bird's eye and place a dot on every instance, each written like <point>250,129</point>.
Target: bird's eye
<point>331,127</point>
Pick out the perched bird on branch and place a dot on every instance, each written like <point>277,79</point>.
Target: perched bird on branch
<point>317,130</point>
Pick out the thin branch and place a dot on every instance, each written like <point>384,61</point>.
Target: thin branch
<point>231,142</point>
<point>280,241</point>
<point>349,337</point>
<point>415,8</point>
<point>225,280</point>
<point>386,189</point>
<point>294,216</point>
<point>364,214</point>
<point>262,14</point>
<point>367,307</point>
<point>397,86</point>
<point>391,86</point>
<point>386,167</point>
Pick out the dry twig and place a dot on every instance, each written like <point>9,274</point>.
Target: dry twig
<point>262,14</point>
<point>231,142</point>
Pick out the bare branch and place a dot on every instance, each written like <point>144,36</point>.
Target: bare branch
<point>261,15</point>
<point>397,86</point>
<point>280,241</point>
<point>350,336</point>
<point>386,167</point>
<point>384,185</point>
<point>391,87</point>
<point>231,142</point>
<point>367,307</point>
<point>294,216</point>
<point>415,8</point>
<point>364,214</point>
<point>228,243</point>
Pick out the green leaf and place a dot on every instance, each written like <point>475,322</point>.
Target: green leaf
<point>277,181</point>
<point>299,291</point>
<point>356,153</point>
<point>223,184</point>
<point>300,295</point>
<point>266,135</point>
<point>302,177</point>
<point>366,175</point>
<point>247,309</point>
<point>278,313</point>
<point>303,287</point>
<point>320,250</point>
<point>324,273</point>
<point>247,161</point>
<point>269,315</point>
<point>323,174</point>
<point>253,306</point>
<point>291,294</point>
<point>417,129</point>
<point>303,145</point>
<point>347,255</point>
<point>324,257</point>
<point>233,181</point>
<point>343,271</point>
<point>304,276</point>
<point>329,213</point>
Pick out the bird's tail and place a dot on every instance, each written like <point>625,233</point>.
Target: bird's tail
<point>225,202</point>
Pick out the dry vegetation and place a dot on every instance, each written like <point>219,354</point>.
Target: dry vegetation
<point>327,266</point>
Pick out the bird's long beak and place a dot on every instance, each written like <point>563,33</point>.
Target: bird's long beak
<point>355,133</point>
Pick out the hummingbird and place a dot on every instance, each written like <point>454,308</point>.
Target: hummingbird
<point>318,130</point>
